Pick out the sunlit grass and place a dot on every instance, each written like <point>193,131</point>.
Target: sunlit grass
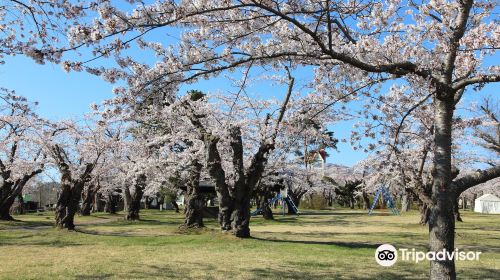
<point>334,244</point>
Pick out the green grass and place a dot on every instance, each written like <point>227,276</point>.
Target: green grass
<point>334,244</point>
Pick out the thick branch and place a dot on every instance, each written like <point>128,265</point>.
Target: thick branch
<point>476,80</point>
<point>479,177</point>
<point>291,81</point>
<point>237,147</point>
<point>458,33</point>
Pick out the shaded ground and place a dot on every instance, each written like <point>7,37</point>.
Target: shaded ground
<point>334,244</point>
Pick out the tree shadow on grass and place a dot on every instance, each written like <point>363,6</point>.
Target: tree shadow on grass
<point>353,245</point>
<point>296,221</point>
<point>332,213</point>
<point>20,224</point>
<point>372,235</point>
<point>483,273</point>
<point>47,243</point>
<point>123,222</point>
<point>118,234</point>
<point>266,273</point>
<point>148,272</point>
<point>95,276</point>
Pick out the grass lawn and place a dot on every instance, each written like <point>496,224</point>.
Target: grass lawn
<point>330,244</point>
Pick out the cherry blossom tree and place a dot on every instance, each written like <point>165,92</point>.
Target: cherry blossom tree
<point>234,194</point>
<point>21,156</point>
<point>75,150</point>
<point>404,136</point>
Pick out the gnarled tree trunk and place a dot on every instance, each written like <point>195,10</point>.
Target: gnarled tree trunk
<point>67,203</point>
<point>194,201</point>
<point>110,204</point>
<point>71,190</point>
<point>10,190</point>
<point>6,200</point>
<point>217,173</point>
<point>296,196</point>
<point>133,200</point>
<point>225,209</point>
<point>88,200</point>
<point>241,212</point>
<point>243,185</point>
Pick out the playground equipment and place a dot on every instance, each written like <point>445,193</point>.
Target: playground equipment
<point>386,196</point>
<point>285,199</point>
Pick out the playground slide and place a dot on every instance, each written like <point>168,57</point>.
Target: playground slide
<point>291,206</point>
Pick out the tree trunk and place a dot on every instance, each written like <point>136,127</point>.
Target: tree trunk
<point>175,205</point>
<point>133,200</point>
<point>424,214</point>
<point>67,204</point>
<point>9,191</point>
<point>267,212</point>
<point>110,204</point>
<point>473,202</point>
<point>133,207</point>
<point>20,200</point>
<point>225,209</point>
<point>296,197</point>
<point>194,201</point>
<point>97,203</point>
<point>456,211</point>
<point>366,201</point>
<point>241,212</point>
<point>5,214</point>
<point>6,201</point>
<point>442,220</point>
<point>218,175</point>
<point>406,200</point>
<point>88,198</point>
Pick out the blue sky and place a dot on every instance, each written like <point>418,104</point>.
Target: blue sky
<point>60,94</point>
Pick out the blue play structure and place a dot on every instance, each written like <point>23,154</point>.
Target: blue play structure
<point>387,198</point>
<point>291,206</point>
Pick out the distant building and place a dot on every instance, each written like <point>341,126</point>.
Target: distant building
<point>43,194</point>
<point>488,204</point>
<point>317,160</point>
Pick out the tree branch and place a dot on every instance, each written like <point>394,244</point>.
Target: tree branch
<point>479,177</point>
<point>476,80</point>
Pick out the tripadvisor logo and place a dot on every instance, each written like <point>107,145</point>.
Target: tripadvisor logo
<point>387,255</point>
